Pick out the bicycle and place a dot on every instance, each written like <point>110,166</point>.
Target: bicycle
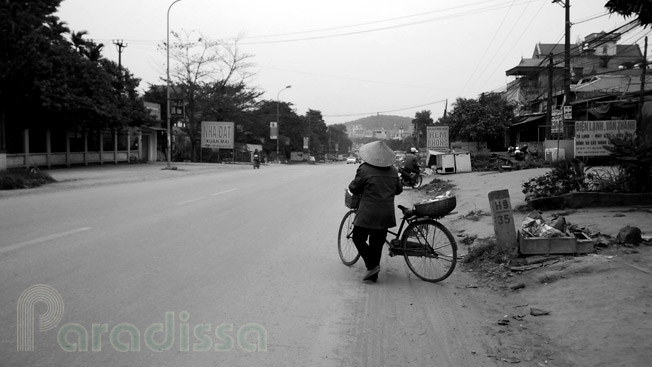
<point>429,248</point>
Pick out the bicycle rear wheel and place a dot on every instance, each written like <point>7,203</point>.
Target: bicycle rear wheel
<point>348,252</point>
<point>430,250</point>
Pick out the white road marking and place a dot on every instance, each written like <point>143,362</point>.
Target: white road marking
<point>188,201</point>
<point>16,246</point>
<point>223,192</point>
<point>197,199</point>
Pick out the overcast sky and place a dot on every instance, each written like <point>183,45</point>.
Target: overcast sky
<point>350,58</point>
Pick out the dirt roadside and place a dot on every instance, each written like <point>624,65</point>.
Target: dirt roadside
<point>597,308</point>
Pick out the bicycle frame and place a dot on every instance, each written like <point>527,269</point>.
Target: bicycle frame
<point>394,244</point>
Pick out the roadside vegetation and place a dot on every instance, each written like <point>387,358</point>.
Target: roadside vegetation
<point>629,171</point>
<point>23,179</point>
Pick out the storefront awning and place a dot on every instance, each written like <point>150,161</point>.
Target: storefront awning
<point>530,119</point>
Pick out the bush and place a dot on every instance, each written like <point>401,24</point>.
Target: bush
<point>633,155</point>
<point>564,177</point>
<point>23,179</point>
<point>632,172</point>
<point>607,179</point>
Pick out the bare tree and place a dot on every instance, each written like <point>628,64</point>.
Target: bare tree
<point>203,65</point>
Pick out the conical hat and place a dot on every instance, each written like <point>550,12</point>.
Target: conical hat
<point>377,154</point>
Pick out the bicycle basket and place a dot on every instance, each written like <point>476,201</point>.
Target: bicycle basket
<point>351,201</point>
<point>435,208</point>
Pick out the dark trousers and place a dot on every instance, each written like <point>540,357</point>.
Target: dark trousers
<point>372,252</point>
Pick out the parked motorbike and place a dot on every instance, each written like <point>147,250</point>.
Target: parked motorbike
<point>519,153</point>
<point>516,155</point>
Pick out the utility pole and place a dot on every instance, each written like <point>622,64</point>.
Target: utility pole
<point>309,135</point>
<point>639,123</point>
<point>567,71</point>
<point>119,44</point>
<point>549,108</point>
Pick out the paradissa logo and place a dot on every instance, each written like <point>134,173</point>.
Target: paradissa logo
<point>126,337</point>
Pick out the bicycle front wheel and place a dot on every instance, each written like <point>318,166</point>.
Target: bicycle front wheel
<point>345,246</point>
<point>430,250</point>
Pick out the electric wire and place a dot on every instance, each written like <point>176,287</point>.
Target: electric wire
<point>368,23</point>
<point>387,111</point>
<point>501,45</point>
<point>471,12</point>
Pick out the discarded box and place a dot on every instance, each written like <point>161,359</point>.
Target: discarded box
<point>578,244</point>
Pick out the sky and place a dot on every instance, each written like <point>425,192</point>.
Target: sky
<point>350,59</point>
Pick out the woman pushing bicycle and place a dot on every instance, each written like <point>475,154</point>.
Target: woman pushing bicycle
<point>377,183</point>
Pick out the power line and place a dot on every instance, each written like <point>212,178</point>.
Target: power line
<point>350,78</point>
<point>523,32</point>
<point>498,6</point>
<point>368,23</point>
<point>387,111</point>
<point>471,12</point>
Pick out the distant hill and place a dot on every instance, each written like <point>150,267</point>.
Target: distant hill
<point>381,121</point>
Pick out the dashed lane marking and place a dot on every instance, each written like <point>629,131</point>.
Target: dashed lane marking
<point>223,192</point>
<point>35,241</point>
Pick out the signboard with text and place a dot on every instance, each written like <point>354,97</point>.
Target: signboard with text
<point>217,134</point>
<point>296,156</point>
<point>501,210</point>
<point>273,130</point>
<point>437,138</point>
<point>177,108</point>
<point>557,122</point>
<point>592,136</point>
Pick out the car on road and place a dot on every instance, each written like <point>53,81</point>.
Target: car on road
<point>351,160</point>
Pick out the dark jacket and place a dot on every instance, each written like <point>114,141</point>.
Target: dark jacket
<point>378,186</point>
<point>411,163</point>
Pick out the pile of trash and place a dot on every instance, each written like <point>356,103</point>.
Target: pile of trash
<point>534,225</point>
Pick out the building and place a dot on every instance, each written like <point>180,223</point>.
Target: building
<point>47,147</point>
<point>602,73</point>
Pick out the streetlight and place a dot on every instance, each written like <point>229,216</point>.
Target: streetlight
<point>167,47</point>
<point>278,124</point>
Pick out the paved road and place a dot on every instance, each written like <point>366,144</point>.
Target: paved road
<point>231,267</point>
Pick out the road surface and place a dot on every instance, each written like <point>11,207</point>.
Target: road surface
<point>234,267</point>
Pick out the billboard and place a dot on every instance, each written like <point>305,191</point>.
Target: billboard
<point>217,134</point>
<point>273,130</point>
<point>592,136</point>
<point>437,138</point>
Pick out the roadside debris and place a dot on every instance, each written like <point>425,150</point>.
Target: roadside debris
<point>475,215</point>
<point>538,312</point>
<point>629,235</point>
<point>555,236</point>
<point>534,225</point>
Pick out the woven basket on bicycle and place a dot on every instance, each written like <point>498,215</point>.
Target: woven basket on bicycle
<point>350,200</point>
<point>436,208</point>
